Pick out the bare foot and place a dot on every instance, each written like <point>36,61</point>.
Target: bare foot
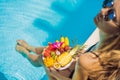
<point>22,50</point>
<point>23,44</point>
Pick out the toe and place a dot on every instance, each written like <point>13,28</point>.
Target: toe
<point>22,50</point>
<point>18,47</point>
<point>19,42</point>
<point>22,43</point>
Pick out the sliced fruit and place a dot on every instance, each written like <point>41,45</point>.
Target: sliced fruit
<point>66,48</point>
<point>48,61</point>
<point>64,59</point>
<point>66,41</point>
<point>61,49</point>
<point>73,51</point>
<point>57,66</point>
<point>46,54</point>
<point>53,54</point>
<point>62,39</point>
<point>57,41</point>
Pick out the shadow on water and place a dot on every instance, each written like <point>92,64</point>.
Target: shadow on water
<point>45,77</point>
<point>58,8</point>
<point>45,26</point>
<point>42,24</point>
<point>2,77</point>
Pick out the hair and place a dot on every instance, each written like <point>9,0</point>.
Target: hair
<point>111,43</point>
<point>109,58</point>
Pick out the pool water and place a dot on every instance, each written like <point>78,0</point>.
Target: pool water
<point>38,22</point>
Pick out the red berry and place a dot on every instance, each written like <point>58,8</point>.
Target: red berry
<point>46,54</point>
<point>66,48</point>
<point>50,47</point>
<point>61,49</point>
<point>48,50</point>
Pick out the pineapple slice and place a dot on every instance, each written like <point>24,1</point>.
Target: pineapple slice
<point>64,59</point>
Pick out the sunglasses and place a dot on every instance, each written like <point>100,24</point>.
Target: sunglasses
<point>107,3</point>
<point>111,13</point>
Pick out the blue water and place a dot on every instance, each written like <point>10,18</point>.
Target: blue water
<point>37,22</point>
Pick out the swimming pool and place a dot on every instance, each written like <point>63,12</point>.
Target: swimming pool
<point>38,22</point>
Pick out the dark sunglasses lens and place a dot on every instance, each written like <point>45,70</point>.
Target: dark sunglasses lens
<point>108,4</point>
<point>110,15</point>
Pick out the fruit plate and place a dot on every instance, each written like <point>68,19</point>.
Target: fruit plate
<point>59,54</point>
<point>59,61</point>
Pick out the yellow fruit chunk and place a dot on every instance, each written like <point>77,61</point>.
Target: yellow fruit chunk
<point>62,39</point>
<point>74,50</point>
<point>66,41</point>
<point>63,45</point>
<point>49,61</point>
<point>64,59</point>
<point>57,41</point>
<point>57,66</point>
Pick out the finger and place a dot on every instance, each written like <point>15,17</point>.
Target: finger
<point>53,69</point>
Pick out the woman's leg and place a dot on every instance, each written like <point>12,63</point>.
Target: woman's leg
<point>37,50</point>
<point>26,45</point>
<point>33,58</point>
<point>37,61</point>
